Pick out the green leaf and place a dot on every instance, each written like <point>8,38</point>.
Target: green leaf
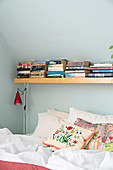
<point>112,56</point>
<point>69,136</point>
<point>111,47</point>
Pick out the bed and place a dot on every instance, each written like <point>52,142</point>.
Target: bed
<point>39,151</point>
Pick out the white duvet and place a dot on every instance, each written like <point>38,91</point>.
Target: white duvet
<point>29,149</point>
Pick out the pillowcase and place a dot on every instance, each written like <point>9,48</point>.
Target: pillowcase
<point>48,122</point>
<point>69,136</point>
<point>61,114</point>
<point>90,117</point>
<point>103,140</point>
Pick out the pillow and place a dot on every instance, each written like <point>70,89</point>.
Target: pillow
<point>69,136</point>
<point>5,131</point>
<point>63,115</point>
<point>90,117</point>
<point>103,140</point>
<point>48,122</point>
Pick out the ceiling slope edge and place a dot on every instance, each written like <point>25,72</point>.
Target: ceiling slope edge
<point>7,48</point>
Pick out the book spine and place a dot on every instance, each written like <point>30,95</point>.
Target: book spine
<point>102,71</point>
<point>55,69</point>
<point>83,63</point>
<point>23,72</point>
<point>100,68</point>
<point>102,65</point>
<point>55,72</point>
<point>75,74</point>
<point>55,65</point>
<point>76,68</point>
<point>99,74</point>
<point>38,64</point>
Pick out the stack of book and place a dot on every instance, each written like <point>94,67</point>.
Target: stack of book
<point>23,69</point>
<point>77,69</point>
<point>38,70</point>
<point>56,68</point>
<point>101,70</point>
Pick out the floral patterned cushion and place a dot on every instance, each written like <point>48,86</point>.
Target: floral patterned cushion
<point>69,136</point>
<point>103,140</point>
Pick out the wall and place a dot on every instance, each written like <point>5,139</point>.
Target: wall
<point>72,29</point>
<point>10,115</point>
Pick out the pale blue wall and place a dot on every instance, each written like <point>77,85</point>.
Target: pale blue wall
<point>10,115</point>
<point>74,29</point>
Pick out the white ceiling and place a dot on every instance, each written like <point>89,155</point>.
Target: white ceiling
<point>45,29</point>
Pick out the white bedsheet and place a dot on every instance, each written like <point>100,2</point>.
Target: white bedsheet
<point>29,149</point>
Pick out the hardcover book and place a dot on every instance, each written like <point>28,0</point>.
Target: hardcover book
<point>99,74</point>
<point>83,63</point>
<point>100,68</point>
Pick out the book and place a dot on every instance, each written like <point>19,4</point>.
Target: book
<point>62,61</point>
<point>99,74</point>
<point>23,69</point>
<point>23,72</point>
<point>76,68</point>
<point>83,63</point>
<point>39,72</point>
<point>37,76</point>
<point>25,63</point>
<point>77,71</point>
<point>55,72</point>
<point>22,76</point>
<point>100,68</point>
<point>75,75</point>
<point>102,65</point>
<point>55,69</point>
<point>55,65</point>
<point>38,62</point>
<point>38,65</point>
<point>102,71</point>
<point>55,76</point>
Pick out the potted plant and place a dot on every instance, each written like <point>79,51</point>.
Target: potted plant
<point>111,47</point>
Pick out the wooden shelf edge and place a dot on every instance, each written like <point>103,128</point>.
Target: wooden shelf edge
<point>64,80</point>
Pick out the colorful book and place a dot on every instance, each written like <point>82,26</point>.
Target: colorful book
<point>76,68</point>
<point>38,62</point>
<point>24,72</point>
<point>55,65</point>
<point>74,74</point>
<point>99,74</point>
<point>100,68</point>
<point>77,71</point>
<point>102,65</point>
<point>62,61</point>
<point>102,71</point>
<point>55,72</point>
<point>55,69</point>
<point>83,63</point>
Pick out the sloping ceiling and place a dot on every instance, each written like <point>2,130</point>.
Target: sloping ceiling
<point>45,29</point>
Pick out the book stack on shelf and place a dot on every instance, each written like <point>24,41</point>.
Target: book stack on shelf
<point>101,70</point>
<point>56,68</point>
<point>77,69</point>
<point>38,70</point>
<point>23,69</point>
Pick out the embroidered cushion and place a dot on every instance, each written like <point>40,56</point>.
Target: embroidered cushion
<point>103,140</point>
<point>69,136</point>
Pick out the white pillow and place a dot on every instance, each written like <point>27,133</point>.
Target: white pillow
<point>5,131</point>
<point>90,117</point>
<point>63,115</point>
<point>48,122</point>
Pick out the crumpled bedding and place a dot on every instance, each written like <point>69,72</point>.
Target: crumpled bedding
<point>29,149</point>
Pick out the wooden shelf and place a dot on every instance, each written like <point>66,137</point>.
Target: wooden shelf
<point>64,80</point>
